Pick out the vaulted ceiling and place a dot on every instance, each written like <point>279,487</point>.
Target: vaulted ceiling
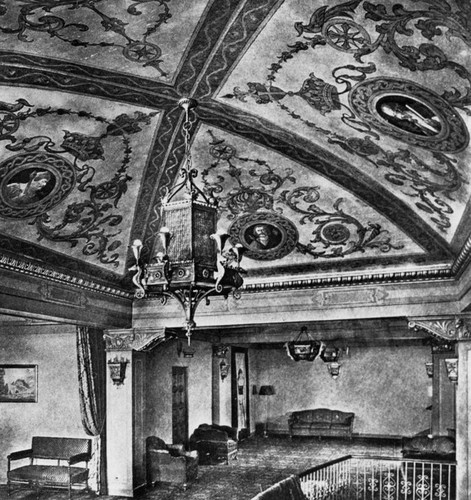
<point>341,126</point>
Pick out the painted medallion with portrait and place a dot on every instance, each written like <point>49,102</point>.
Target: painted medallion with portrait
<point>411,113</point>
<point>264,235</point>
<point>31,184</point>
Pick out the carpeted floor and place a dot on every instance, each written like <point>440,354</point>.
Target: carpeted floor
<point>261,463</point>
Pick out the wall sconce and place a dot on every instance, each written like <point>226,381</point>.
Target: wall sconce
<point>334,369</point>
<point>117,369</point>
<point>188,352</point>
<point>452,369</point>
<point>429,369</point>
<point>223,369</point>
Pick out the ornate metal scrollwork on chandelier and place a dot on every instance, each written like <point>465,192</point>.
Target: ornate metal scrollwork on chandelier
<point>190,262</point>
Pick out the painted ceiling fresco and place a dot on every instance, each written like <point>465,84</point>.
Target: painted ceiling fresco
<point>339,129</point>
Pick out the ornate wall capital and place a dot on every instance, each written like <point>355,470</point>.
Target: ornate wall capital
<point>449,328</point>
<point>134,339</point>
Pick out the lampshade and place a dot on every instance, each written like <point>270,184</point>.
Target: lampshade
<point>266,390</point>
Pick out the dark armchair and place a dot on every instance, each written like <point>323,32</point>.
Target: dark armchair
<point>169,463</point>
<point>214,443</point>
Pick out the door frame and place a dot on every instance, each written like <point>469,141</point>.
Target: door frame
<point>184,370</point>
<point>234,389</point>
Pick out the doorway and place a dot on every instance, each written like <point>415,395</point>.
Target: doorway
<point>179,405</point>
<point>240,393</point>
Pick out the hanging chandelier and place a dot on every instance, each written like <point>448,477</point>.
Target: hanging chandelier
<point>190,261</point>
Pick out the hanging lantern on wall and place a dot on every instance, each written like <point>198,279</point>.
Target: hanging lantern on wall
<point>303,347</point>
<point>330,354</point>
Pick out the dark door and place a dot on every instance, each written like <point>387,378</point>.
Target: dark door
<point>240,396</point>
<point>179,405</point>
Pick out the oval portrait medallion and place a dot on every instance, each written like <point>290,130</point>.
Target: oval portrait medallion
<point>410,113</point>
<point>265,235</point>
<point>31,184</point>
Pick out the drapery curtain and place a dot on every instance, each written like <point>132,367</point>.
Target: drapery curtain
<point>91,357</point>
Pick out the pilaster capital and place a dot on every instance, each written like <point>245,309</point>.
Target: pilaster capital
<point>134,339</point>
<point>444,328</point>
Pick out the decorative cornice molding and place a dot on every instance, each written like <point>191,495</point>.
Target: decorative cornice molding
<point>134,339</point>
<point>359,279</point>
<point>39,271</point>
<point>449,328</point>
<point>462,259</point>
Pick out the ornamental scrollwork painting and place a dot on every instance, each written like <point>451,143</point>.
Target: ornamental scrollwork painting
<point>259,198</point>
<point>371,106</point>
<point>97,26</point>
<point>51,182</point>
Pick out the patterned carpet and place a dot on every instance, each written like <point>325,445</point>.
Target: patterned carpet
<point>261,463</point>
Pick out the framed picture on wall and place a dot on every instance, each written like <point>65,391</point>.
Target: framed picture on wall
<point>18,383</point>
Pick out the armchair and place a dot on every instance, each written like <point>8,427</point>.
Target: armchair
<point>169,463</point>
<point>214,443</point>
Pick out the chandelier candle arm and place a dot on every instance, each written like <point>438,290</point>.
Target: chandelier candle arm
<point>136,279</point>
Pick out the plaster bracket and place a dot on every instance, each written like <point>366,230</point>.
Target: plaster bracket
<point>444,328</point>
<point>134,339</point>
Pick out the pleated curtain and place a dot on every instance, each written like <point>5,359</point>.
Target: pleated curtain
<point>91,357</point>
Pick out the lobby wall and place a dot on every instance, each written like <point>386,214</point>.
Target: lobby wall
<point>386,387</point>
<point>57,411</point>
<point>159,388</point>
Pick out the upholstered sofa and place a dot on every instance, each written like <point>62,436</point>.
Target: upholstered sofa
<point>321,422</point>
<point>53,462</point>
<point>214,443</point>
<point>170,463</point>
<point>429,448</point>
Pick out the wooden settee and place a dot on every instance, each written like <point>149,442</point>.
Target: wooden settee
<point>51,463</point>
<point>321,422</point>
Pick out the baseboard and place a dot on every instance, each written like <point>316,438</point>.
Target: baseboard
<point>377,436</point>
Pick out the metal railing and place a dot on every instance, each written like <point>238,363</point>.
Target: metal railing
<point>378,478</point>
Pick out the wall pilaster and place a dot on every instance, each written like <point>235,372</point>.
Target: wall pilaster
<point>123,442</point>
